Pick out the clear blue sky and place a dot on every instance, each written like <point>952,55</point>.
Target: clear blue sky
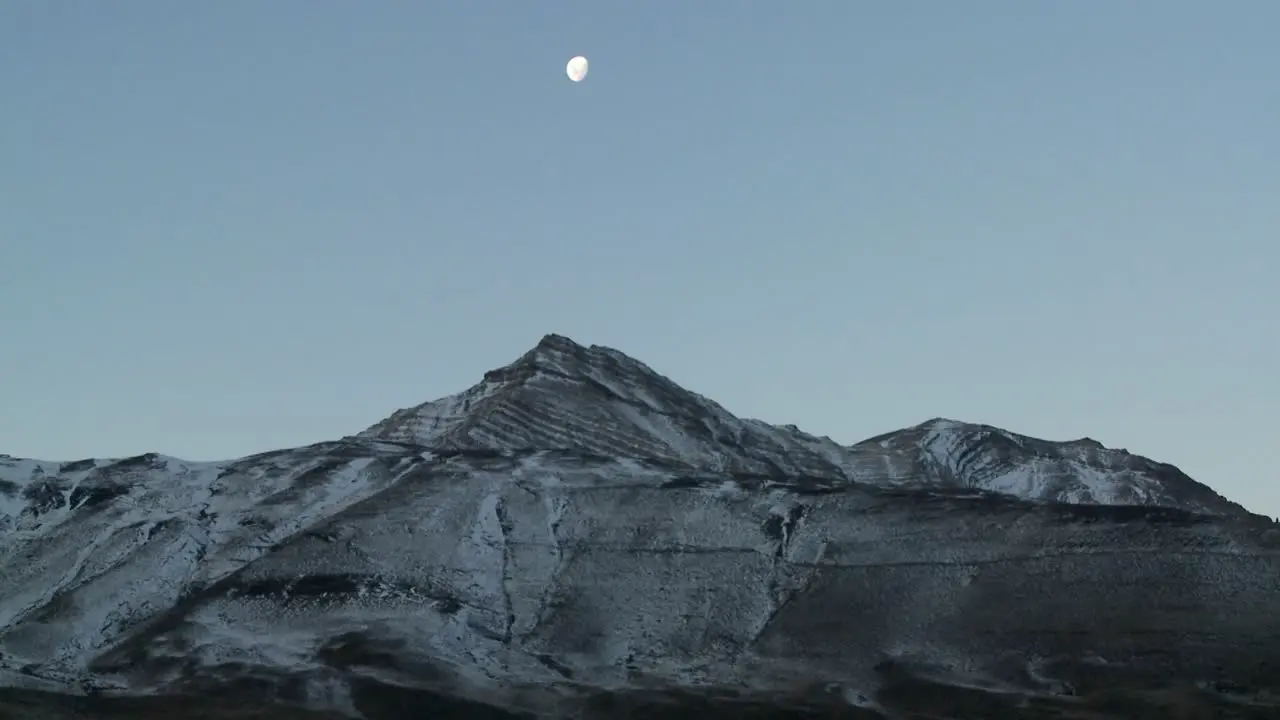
<point>239,225</point>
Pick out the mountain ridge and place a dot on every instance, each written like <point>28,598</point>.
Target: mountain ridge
<point>577,529</point>
<point>509,395</point>
<point>599,368</point>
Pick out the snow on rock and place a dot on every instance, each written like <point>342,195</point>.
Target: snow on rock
<point>577,526</point>
<point>947,453</point>
<point>97,547</point>
<point>599,401</point>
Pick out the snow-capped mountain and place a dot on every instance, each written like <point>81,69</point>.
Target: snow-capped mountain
<point>597,401</point>
<point>576,535</point>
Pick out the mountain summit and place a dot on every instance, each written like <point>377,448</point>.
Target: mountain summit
<point>598,401</point>
<point>595,400</point>
<point>578,536</point>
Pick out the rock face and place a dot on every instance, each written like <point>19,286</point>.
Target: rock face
<point>577,536</point>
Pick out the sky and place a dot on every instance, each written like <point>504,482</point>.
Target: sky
<point>238,226</point>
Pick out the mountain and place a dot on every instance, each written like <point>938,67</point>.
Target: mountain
<point>597,401</point>
<point>578,536</point>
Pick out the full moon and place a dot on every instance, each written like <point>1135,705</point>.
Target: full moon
<point>576,69</point>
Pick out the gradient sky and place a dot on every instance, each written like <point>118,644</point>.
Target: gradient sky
<point>232,226</point>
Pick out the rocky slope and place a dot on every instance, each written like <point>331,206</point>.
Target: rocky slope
<point>598,401</point>
<point>577,536</point>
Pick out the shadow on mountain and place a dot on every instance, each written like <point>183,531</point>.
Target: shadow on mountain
<point>904,696</point>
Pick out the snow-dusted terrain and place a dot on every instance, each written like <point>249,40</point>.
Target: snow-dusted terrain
<point>576,535</point>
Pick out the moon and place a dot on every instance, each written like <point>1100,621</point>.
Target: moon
<point>576,69</point>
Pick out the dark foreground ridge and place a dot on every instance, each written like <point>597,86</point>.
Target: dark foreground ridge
<point>579,537</point>
<point>908,699</point>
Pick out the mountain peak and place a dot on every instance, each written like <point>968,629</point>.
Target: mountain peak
<point>550,349</point>
<point>595,400</point>
<point>599,402</point>
<point>560,355</point>
<point>556,341</point>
